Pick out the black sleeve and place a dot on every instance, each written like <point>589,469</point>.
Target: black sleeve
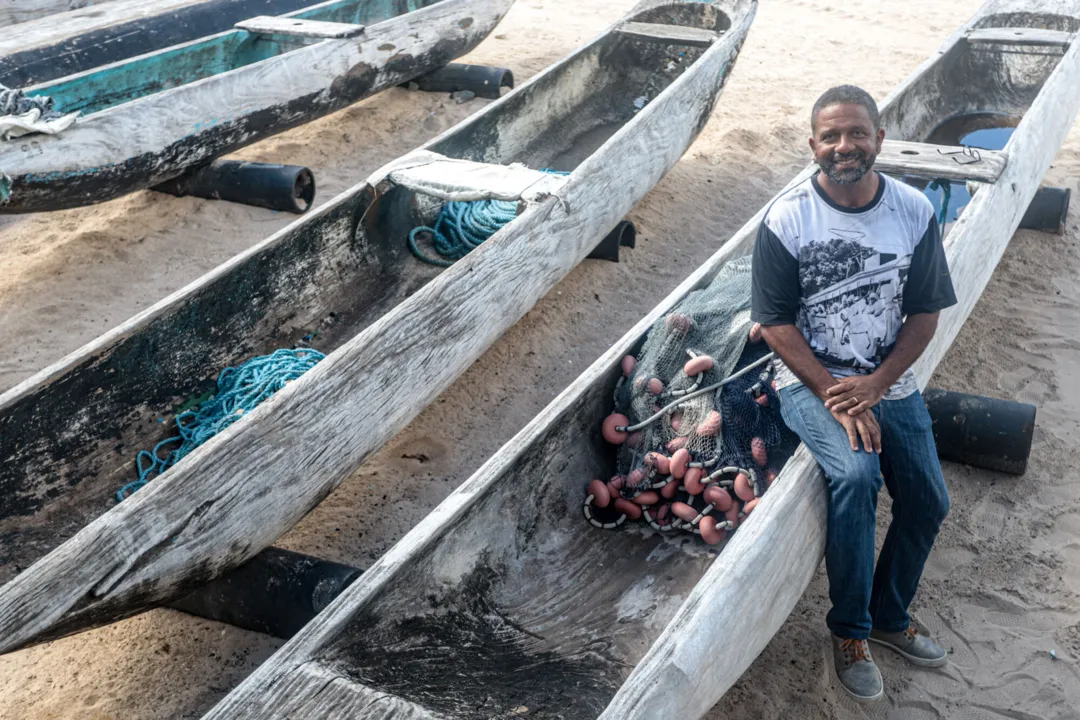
<point>775,273</point>
<point>929,285</point>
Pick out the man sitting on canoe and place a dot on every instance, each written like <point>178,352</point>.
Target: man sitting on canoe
<point>842,234</point>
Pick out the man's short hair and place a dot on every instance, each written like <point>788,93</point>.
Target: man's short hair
<point>846,95</point>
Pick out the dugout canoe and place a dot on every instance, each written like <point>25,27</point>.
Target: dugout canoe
<point>503,597</point>
<point>397,331</point>
<point>99,33</point>
<point>148,118</point>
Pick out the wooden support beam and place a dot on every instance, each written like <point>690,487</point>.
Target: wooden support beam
<point>1020,36</point>
<point>947,162</point>
<point>294,27</point>
<point>668,34</point>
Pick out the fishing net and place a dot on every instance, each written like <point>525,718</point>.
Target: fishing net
<point>696,417</point>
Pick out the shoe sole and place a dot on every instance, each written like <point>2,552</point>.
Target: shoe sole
<point>863,699</point>
<point>913,659</point>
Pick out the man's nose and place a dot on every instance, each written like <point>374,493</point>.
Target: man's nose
<point>845,145</point>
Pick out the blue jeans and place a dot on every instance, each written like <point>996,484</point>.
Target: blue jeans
<point>862,597</point>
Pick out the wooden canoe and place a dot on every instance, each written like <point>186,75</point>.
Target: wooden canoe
<point>20,11</point>
<point>147,118</point>
<point>504,597</point>
<point>397,332</point>
<point>100,33</point>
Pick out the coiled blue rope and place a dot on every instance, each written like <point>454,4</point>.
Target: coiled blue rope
<point>239,391</point>
<point>462,226</point>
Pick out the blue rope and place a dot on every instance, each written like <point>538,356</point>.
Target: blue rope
<point>240,390</point>
<point>462,226</point>
<point>945,187</point>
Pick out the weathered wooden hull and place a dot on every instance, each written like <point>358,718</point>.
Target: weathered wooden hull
<point>68,435</point>
<point>141,142</point>
<point>20,11</point>
<point>101,33</point>
<point>537,608</point>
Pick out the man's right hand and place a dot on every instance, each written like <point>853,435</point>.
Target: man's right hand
<point>863,426</point>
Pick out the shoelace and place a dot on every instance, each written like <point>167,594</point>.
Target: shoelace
<point>855,650</point>
<point>911,632</point>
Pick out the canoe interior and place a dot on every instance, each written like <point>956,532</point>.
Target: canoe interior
<point>92,49</point>
<point>70,438</point>
<point>525,599</point>
<point>102,88</point>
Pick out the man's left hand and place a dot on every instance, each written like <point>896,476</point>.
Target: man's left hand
<point>855,394</point>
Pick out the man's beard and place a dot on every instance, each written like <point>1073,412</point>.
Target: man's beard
<point>847,175</point>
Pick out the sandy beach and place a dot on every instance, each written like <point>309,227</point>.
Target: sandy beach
<point>1002,588</point>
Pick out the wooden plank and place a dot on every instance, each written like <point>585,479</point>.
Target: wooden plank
<point>295,27</point>
<point>668,34</point>
<point>940,161</point>
<point>1021,36</point>
<point>237,493</point>
<point>149,140</point>
<point>20,11</point>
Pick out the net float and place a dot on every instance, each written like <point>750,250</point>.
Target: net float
<point>709,532</point>
<point>698,365</point>
<point>749,507</point>
<point>635,439</point>
<point>670,490</point>
<point>611,422</point>
<point>639,382</point>
<point>769,477</point>
<point>680,459</point>
<point>679,321</point>
<point>663,515</point>
<point>676,421</point>
<point>659,462</point>
<point>762,400</point>
<point>684,512</point>
<point>731,515</point>
<point>692,481</point>
<point>649,497</point>
<point>719,498</point>
<point>629,362</point>
<point>755,333</point>
<point>744,489</point>
<point>600,493</point>
<point>710,426</point>
<point>757,449</point>
<point>676,444</point>
<point>636,477</point>
<point>655,386</point>
<point>773,385</point>
<point>628,508</point>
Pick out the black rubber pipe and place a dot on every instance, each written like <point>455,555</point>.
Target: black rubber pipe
<point>622,235</point>
<point>289,188</point>
<point>980,431</point>
<point>1047,210</point>
<point>277,592</point>
<point>483,80</point>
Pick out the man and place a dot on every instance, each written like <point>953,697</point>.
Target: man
<point>837,400</point>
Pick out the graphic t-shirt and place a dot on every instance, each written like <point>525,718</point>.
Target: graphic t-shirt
<point>846,277</point>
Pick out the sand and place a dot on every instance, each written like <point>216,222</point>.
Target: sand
<point>1002,588</point>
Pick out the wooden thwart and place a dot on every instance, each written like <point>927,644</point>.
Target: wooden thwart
<point>668,34</point>
<point>947,162</point>
<point>268,25</point>
<point>1020,36</point>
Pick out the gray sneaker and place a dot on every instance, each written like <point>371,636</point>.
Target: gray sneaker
<point>856,670</point>
<point>918,649</point>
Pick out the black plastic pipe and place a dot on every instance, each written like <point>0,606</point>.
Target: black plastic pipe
<point>276,592</point>
<point>980,431</point>
<point>1047,210</point>
<point>289,188</point>
<point>622,235</point>
<point>483,80</point>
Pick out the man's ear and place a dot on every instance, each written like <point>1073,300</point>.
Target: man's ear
<point>813,145</point>
<point>880,138</point>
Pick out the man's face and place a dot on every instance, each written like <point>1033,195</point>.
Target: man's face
<point>845,143</point>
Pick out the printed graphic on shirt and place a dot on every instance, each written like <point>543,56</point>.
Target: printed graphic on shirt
<point>853,292</point>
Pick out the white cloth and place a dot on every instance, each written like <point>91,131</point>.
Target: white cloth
<point>30,122</point>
